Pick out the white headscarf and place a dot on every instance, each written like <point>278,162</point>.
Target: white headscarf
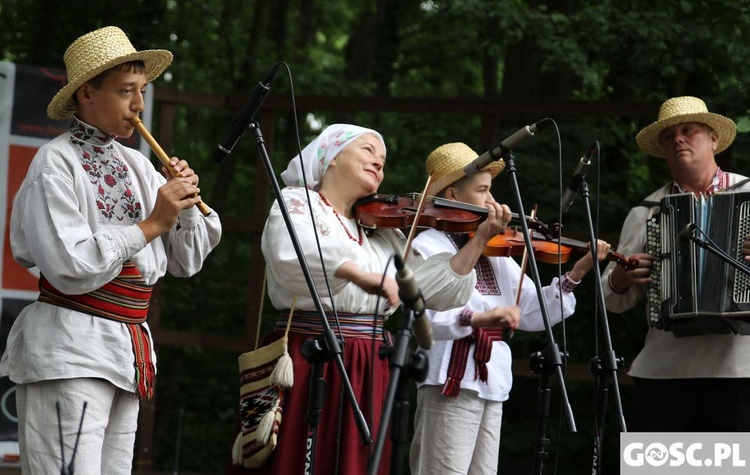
<point>320,152</point>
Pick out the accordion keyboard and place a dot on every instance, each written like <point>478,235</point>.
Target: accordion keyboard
<point>653,247</point>
<point>741,291</point>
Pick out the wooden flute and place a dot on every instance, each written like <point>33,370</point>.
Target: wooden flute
<point>138,124</point>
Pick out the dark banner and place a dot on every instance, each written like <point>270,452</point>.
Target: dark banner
<point>35,87</point>
<point>8,416</point>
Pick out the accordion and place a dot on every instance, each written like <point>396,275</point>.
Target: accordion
<point>693,291</point>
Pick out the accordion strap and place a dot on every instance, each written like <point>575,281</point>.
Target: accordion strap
<point>650,204</point>
<point>736,185</point>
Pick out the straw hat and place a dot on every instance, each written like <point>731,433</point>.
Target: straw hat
<point>679,110</point>
<point>96,52</point>
<point>446,164</point>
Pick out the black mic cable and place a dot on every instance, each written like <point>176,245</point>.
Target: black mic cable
<point>239,127</point>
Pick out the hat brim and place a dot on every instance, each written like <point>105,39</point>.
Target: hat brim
<point>725,128</point>
<point>63,107</point>
<point>446,180</point>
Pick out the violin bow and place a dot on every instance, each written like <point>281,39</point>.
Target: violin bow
<point>524,262</point>
<point>413,229</point>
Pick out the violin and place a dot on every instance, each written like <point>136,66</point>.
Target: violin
<point>511,243</point>
<point>546,249</point>
<point>400,211</point>
<point>394,211</point>
<point>397,211</point>
<point>612,256</point>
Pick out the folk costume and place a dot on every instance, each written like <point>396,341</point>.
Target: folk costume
<point>675,378</point>
<point>74,221</point>
<point>470,369</point>
<point>341,240</point>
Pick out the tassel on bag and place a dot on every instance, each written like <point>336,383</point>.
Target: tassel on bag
<point>265,375</point>
<point>237,450</point>
<point>266,424</point>
<point>283,373</point>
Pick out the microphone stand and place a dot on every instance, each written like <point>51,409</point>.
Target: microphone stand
<point>70,468</point>
<point>397,395</point>
<point>317,353</point>
<point>550,360</point>
<point>715,250</point>
<point>604,367</point>
<point>328,346</point>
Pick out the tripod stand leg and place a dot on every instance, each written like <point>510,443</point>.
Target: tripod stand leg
<point>541,441</point>
<point>315,353</point>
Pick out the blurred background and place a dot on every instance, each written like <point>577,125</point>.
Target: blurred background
<point>423,73</point>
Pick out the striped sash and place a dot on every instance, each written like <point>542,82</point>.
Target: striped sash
<point>125,299</point>
<point>482,338</point>
<point>352,325</point>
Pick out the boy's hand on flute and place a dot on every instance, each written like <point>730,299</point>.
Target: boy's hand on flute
<point>181,170</point>
<point>173,167</point>
<point>171,198</point>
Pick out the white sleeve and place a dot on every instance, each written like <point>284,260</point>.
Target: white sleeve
<point>190,241</point>
<point>49,231</point>
<point>445,324</point>
<point>279,253</point>
<point>632,241</point>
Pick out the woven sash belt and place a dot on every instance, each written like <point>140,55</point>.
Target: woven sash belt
<point>352,325</point>
<point>125,299</point>
<point>482,338</point>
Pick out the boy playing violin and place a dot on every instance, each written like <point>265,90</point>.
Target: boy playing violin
<point>470,365</point>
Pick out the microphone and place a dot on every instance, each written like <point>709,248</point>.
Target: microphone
<point>687,232</point>
<point>410,295</point>
<point>248,113</point>
<point>583,165</point>
<point>506,145</point>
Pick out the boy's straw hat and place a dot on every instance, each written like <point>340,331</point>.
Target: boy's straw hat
<point>446,164</point>
<point>96,52</point>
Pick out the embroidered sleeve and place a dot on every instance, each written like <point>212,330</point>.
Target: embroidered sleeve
<point>281,256</point>
<point>568,285</point>
<point>465,317</point>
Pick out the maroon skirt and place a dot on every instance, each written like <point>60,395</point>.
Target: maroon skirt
<point>340,447</point>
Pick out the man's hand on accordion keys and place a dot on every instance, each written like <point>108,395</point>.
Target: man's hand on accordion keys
<point>746,248</point>
<point>621,279</point>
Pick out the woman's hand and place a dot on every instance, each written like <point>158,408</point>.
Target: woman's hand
<point>370,282</point>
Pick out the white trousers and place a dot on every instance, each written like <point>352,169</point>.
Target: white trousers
<point>107,435</point>
<point>455,436</point>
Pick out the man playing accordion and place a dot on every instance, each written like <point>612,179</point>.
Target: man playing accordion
<point>693,383</point>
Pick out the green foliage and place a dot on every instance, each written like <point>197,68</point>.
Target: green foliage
<point>613,51</point>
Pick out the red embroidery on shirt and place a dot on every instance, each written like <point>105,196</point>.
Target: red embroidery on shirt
<point>108,173</point>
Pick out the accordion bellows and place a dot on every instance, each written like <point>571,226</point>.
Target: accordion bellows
<point>265,375</point>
